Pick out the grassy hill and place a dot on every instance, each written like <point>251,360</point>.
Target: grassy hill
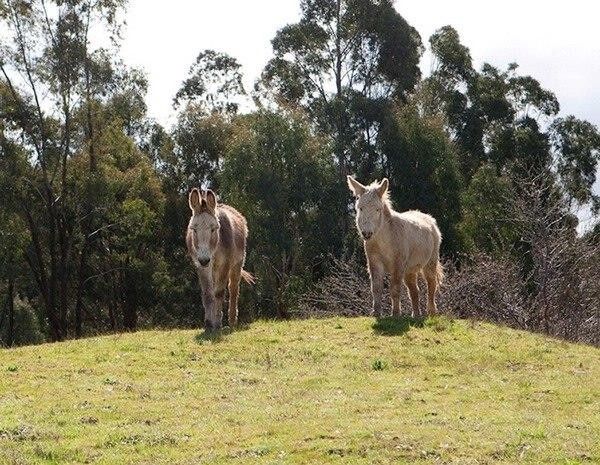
<point>340,391</point>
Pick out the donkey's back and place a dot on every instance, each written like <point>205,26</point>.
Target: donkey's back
<point>419,231</point>
<point>233,229</point>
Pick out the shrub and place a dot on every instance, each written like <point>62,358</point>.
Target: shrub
<point>26,327</point>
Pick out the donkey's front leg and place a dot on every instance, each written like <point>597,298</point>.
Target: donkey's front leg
<point>376,272</point>
<point>218,308</point>
<point>219,284</point>
<point>208,300</point>
<point>395,288</point>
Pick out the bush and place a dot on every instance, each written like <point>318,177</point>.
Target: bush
<point>486,288</point>
<point>562,303</point>
<point>282,178</point>
<point>26,329</point>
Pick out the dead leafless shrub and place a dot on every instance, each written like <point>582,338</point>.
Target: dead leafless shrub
<point>549,282</point>
<point>344,291</point>
<point>559,297</point>
<point>485,288</point>
<point>560,269</point>
<point>566,280</point>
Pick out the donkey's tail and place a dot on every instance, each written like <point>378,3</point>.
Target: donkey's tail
<point>248,277</point>
<point>439,273</point>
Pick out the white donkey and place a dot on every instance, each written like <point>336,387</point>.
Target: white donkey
<point>401,244</point>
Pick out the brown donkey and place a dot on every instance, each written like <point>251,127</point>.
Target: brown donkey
<point>401,244</point>
<point>216,241</point>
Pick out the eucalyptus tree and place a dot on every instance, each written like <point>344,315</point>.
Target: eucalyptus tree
<point>56,79</point>
<point>13,165</point>
<point>344,62</point>
<point>283,178</point>
<point>423,163</point>
<point>214,83</point>
<point>493,115</point>
<point>576,155</point>
<point>506,127</point>
<point>208,99</point>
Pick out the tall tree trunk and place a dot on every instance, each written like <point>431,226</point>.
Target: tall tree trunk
<point>78,317</point>
<point>129,314</point>
<point>88,208</point>
<point>54,312</point>
<point>113,306</point>
<point>340,142</point>
<point>63,281</point>
<point>10,337</point>
<point>129,301</point>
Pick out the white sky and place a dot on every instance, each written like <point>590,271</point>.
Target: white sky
<point>556,42</point>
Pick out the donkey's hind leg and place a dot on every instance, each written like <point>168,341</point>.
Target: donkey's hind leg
<point>432,277</point>
<point>234,292</point>
<point>410,279</point>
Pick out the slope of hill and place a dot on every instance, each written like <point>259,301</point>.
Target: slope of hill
<point>339,391</point>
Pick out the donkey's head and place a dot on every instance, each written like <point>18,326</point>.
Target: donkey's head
<point>203,230</point>
<point>371,202</point>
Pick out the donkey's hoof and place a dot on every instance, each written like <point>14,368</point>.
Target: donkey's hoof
<point>208,327</point>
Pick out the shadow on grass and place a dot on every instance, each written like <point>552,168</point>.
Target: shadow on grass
<point>393,326</point>
<point>218,335</point>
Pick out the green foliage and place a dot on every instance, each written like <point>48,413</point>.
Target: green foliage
<point>342,63</point>
<point>422,166</point>
<point>453,60</point>
<point>127,104</point>
<point>25,326</point>
<point>214,84</point>
<point>133,205</point>
<point>200,142</point>
<point>528,95</point>
<point>487,207</point>
<point>577,152</point>
<point>493,115</point>
<point>283,179</point>
<point>379,365</point>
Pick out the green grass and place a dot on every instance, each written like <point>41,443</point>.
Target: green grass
<point>341,391</point>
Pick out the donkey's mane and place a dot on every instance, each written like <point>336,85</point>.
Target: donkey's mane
<point>387,201</point>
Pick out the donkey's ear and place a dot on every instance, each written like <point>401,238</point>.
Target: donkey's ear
<point>356,187</point>
<point>195,200</point>
<point>211,200</point>
<point>383,187</point>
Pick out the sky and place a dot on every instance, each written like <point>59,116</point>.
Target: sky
<point>556,42</point>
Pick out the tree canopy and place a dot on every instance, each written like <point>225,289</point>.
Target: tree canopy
<point>94,192</point>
